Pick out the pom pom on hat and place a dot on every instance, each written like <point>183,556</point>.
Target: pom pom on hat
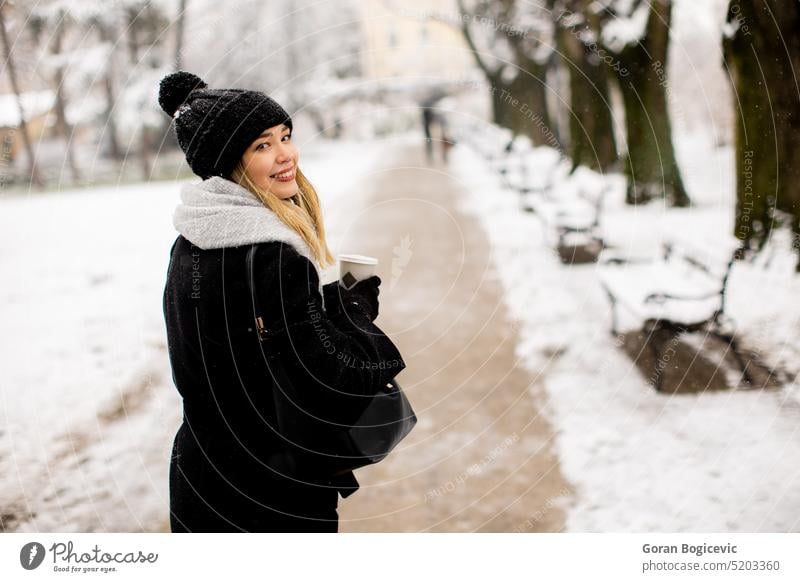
<point>175,89</point>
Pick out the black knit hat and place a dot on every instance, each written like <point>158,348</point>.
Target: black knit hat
<point>215,126</point>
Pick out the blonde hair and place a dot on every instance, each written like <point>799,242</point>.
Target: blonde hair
<point>301,212</point>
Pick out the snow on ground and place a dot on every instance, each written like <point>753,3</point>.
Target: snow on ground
<point>89,410</point>
<point>725,461</point>
<point>86,394</point>
<point>79,318</point>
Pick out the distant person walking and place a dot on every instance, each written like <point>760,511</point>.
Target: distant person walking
<point>434,125</point>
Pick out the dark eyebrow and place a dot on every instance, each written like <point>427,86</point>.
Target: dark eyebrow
<point>269,133</point>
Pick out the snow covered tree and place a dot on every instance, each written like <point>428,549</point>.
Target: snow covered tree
<point>322,56</point>
<point>637,34</point>
<point>762,51</point>
<point>297,51</point>
<point>512,44</point>
<point>12,75</point>
<point>93,85</point>
<point>110,130</point>
<point>49,23</point>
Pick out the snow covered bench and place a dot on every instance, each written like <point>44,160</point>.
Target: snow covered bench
<point>513,164</point>
<point>682,291</point>
<point>513,158</point>
<point>538,174</point>
<point>489,140</point>
<point>581,217</point>
<point>574,221</point>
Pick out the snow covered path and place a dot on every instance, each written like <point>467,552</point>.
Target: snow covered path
<point>481,457</point>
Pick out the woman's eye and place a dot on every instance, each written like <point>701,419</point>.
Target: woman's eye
<point>259,146</point>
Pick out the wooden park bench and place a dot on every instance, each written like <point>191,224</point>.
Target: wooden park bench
<point>682,291</point>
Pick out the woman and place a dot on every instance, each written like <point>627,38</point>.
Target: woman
<point>222,473</point>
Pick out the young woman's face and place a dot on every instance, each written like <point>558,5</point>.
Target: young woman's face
<point>271,160</point>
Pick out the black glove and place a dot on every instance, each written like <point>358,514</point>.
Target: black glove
<point>361,297</point>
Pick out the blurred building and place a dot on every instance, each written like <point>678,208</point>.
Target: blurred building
<point>36,106</point>
<point>413,39</point>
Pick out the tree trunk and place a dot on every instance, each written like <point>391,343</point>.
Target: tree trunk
<point>521,106</point>
<point>531,115</point>
<point>144,138</point>
<point>650,164</point>
<point>133,45</point>
<point>179,25</point>
<point>115,150</point>
<point>66,130</point>
<point>591,126</point>
<point>110,130</point>
<point>167,137</point>
<point>36,179</point>
<point>763,56</point>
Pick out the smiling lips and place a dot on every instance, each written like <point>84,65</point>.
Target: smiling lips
<point>286,176</point>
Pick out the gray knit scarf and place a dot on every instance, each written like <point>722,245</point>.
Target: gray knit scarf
<point>219,213</point>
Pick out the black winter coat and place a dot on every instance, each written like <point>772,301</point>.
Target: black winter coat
<point>219,476</point>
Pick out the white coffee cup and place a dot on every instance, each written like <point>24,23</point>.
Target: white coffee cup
<point>354,268</point>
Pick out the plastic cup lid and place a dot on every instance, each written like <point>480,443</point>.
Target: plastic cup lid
<point>361,259</point>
